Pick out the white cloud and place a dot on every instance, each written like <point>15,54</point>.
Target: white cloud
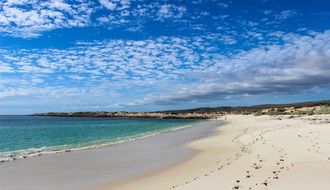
<point>30,18</point>
<point>5,68</point>
<point>223,5</point>
<point>108,4</point>
<point>283,15</point>
<point>129,12</point>
<point>170,11</point>
<point>164,10</point>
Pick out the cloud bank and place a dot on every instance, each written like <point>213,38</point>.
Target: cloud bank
<point>168,70</point>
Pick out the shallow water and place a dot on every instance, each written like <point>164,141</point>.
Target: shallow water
<point>24,136</point>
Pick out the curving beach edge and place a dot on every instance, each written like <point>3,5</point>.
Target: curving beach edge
<point>91,168</point>
<point>250,152</point>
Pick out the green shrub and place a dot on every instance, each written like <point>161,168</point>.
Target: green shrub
<point>324,110</point>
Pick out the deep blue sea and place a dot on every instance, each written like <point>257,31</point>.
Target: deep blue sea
<point>27,136</point>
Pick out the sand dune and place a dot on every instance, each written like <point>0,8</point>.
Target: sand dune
<point>250,152</point>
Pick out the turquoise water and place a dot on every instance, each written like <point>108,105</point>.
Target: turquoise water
<point>26,136</point>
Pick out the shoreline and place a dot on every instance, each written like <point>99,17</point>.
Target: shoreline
<point>36,152</point>
<point>250,152</point>
<point>87,169</point>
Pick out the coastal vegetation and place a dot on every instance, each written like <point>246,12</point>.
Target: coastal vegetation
<point>303,108</point>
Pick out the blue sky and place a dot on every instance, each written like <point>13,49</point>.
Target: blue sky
<point>138,55</point>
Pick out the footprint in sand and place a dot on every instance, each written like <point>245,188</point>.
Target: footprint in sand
<point>248,174</point>
<point>257,167</point>
<point>265,183</point>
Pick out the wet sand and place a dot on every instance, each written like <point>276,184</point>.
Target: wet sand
<point>88,169</point>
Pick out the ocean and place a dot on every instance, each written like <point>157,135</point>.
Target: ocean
<point>29,136</point>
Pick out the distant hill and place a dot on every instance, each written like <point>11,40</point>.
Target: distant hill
<point>251,109</point>
<point>302,108</point>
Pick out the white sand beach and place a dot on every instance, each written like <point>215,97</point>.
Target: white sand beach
<point>251,152</point>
